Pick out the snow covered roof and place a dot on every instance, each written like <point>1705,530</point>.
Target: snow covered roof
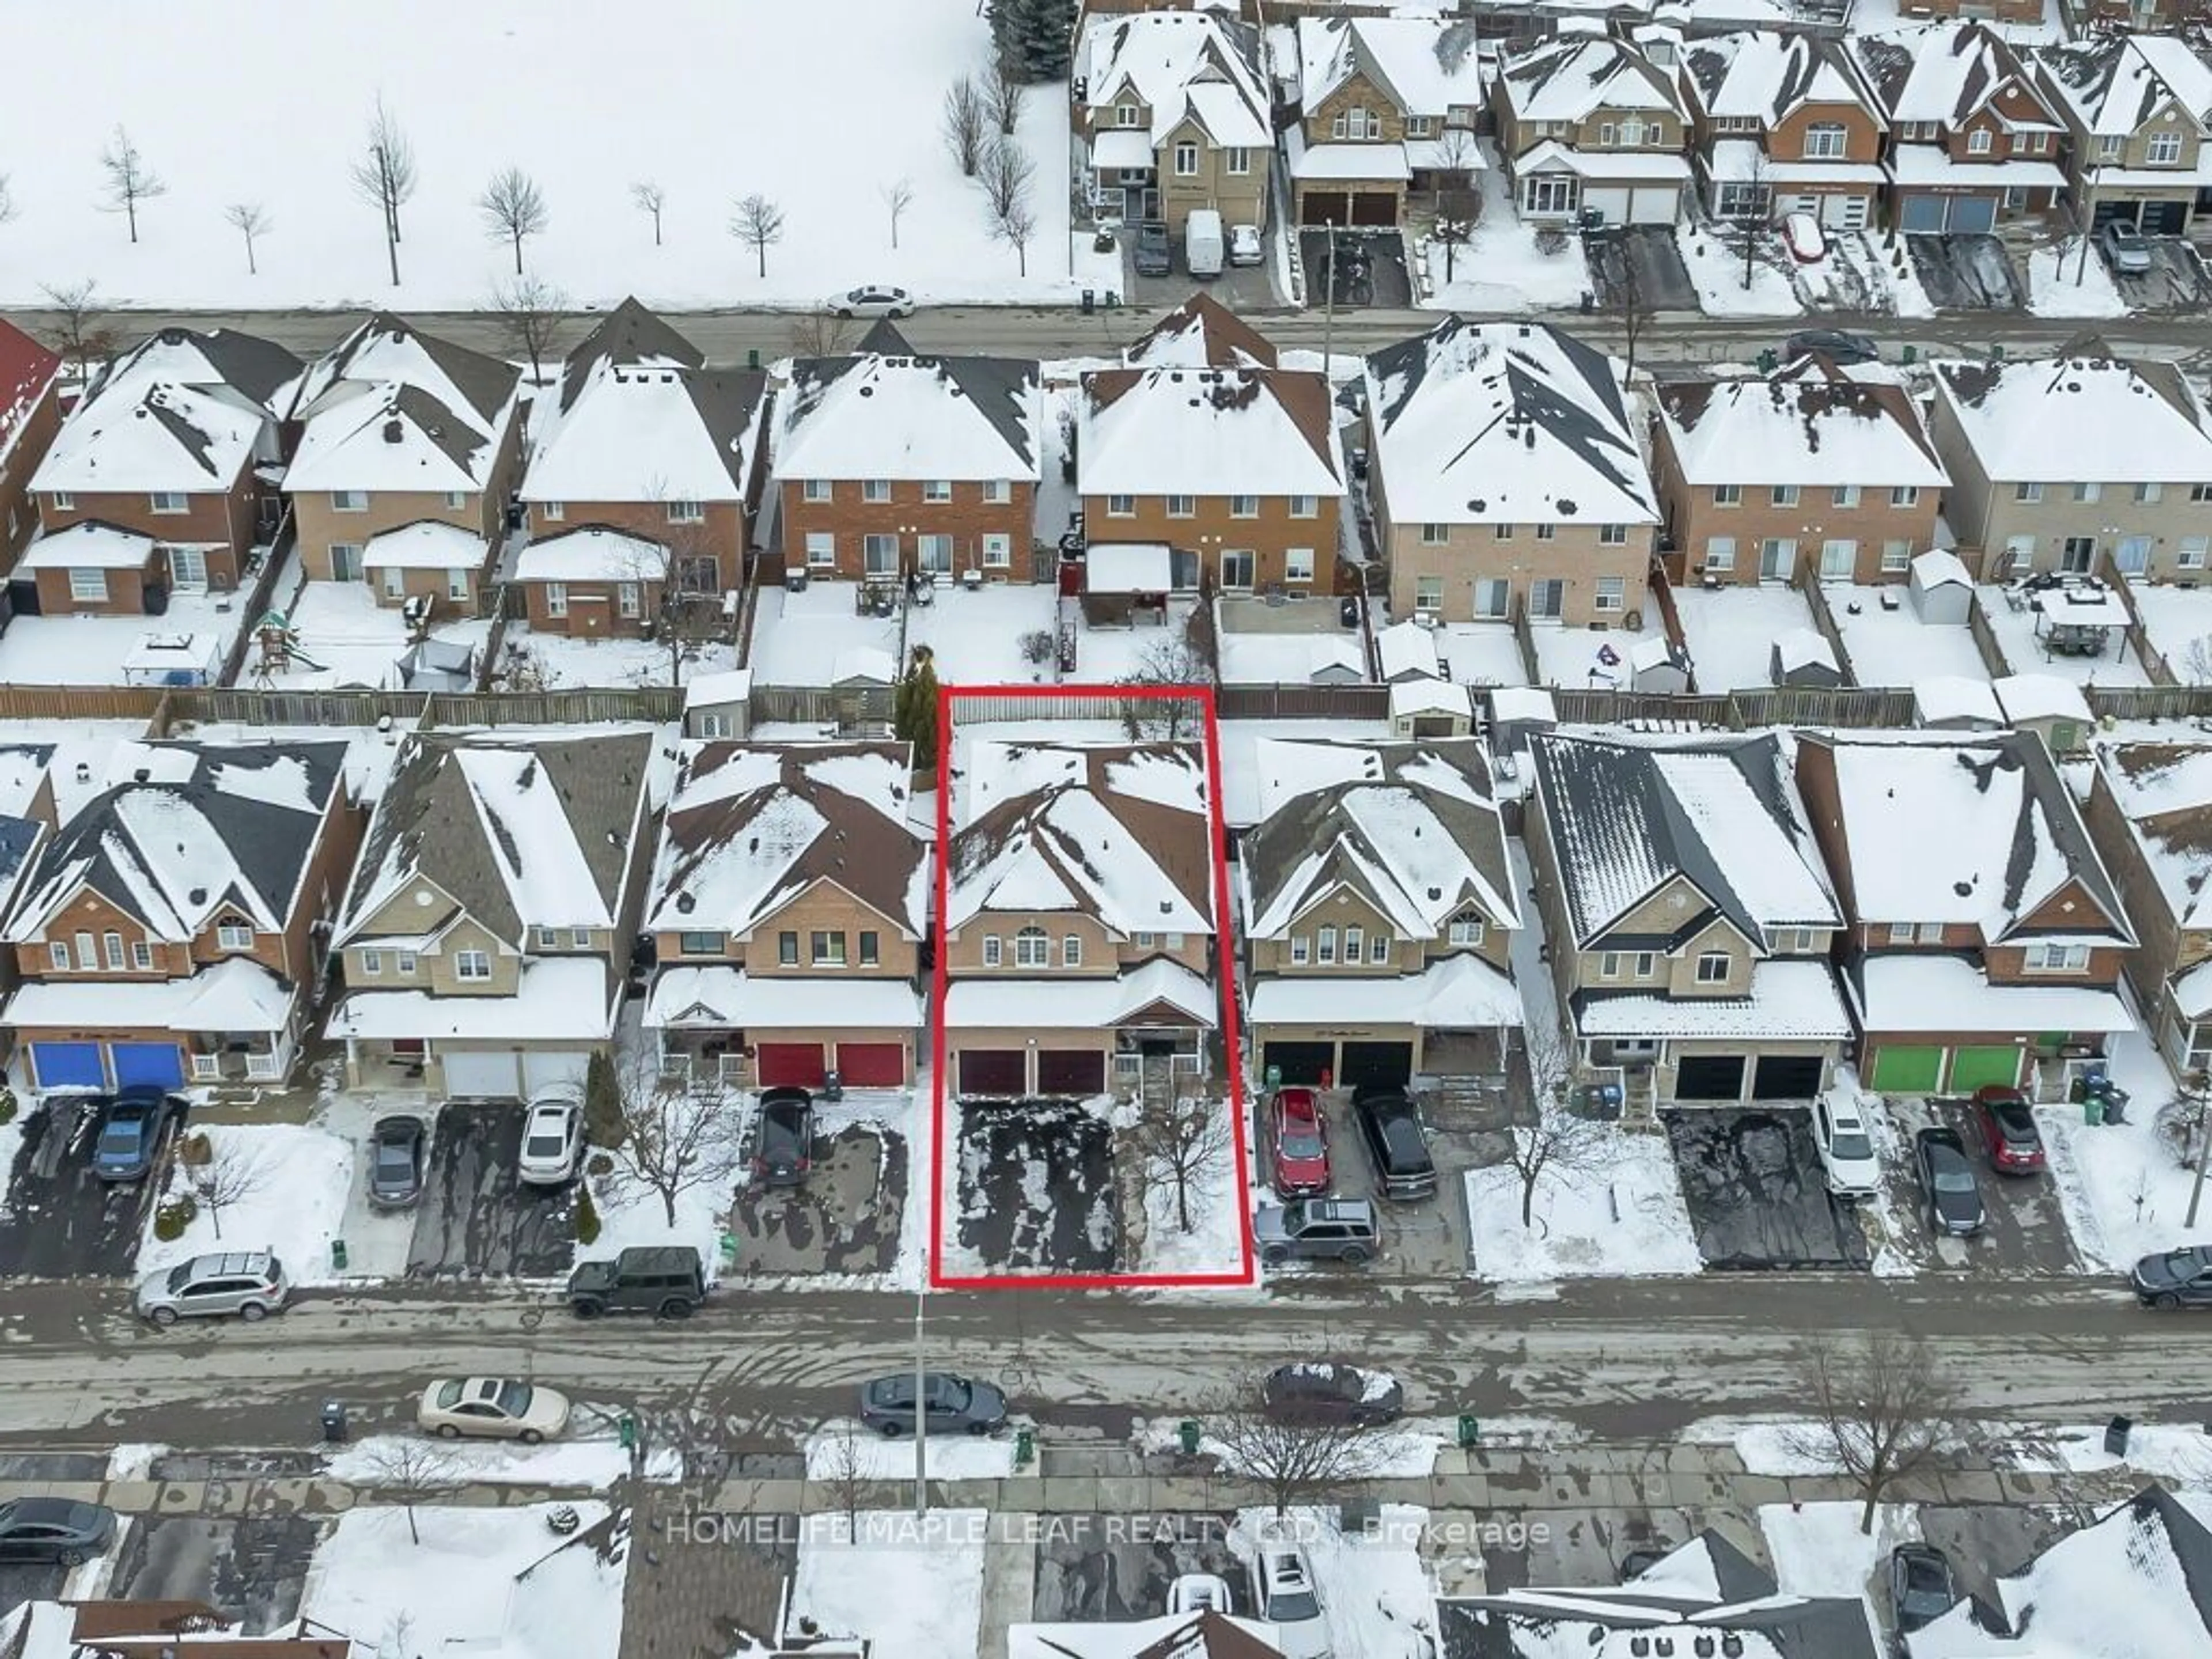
<point>1929,991</point>
<point>1939,567</point>
<point>1207,1635</point>
<point>1459,992</point>
<point>1206,432</point>
<point>875,416</point>
<point>1955,697</point>
<point>1804,648</point>
<point>1407,648</point>
<point>1181,65</point>
<point>751,827</point>
<point>1808,422</point>
<point>162,419</point>
<point>1625,820</point>
<point>1944,72</point>
<point>425,544</point>
<point>1423,65</point>
<point>1089,1004</point>
<point>1428,696</point>
<point>2163,791</point>
<point>1569,76</point>
<point>1128,567</point>
<point>89,544</point>
<point>1553,156</point>
<point>721,998</point>
<point>1790,998</point>
<point>1504,422</point>
<point>27,370</point>
<point>557,1000</point>
<point>593,553</point>
<point>515,832</point>
<point>2041,698</point>
<point>235,994</point>
<point>1200,333</point>
<point>391,409</point>
<point>2095,418</point>
<point>2115,84</point>
<point>1410,828</point>
<point>723,685</point>
<point>186,831</point>
<point>1767,75</point>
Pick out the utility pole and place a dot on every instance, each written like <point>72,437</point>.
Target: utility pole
<point>1328,304</point>
<point>2200,1089</point>
<point>920,1411</point>
<point>2081,269</point>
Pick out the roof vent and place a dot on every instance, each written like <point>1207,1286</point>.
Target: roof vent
<point>1702,1646</point>
<point>142,776</point>
<point>1478,504</point>
<point>197,896</point>
<point>1963,889</point>
<point>393,432</point>
<point>685,904</point>
<point>1435,893</point>
<point>1731,1645</point>
<point>1166,909</point>
<point>867,392</point>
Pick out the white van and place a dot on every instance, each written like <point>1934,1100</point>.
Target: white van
<point>1202,242</point>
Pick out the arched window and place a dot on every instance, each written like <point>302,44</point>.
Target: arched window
<point>1032,948</point>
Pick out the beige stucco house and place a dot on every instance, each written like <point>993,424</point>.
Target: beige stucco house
<point>1171,114</point>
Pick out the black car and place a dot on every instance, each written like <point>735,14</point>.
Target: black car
<point>667,1281</point>
<point>57,1529</point>
<point>130,1133</point>
<point>395,1162</point>
<point>1921,1587</point>
<point>1320,1392</point>
<point>1155,249</point>
<point>957,1406</point>
<point>1397,1145</point>
<point>785,1151</point>
<point>1836,344</point>
<point>1946,1180</point>
<point>2174,1279</point>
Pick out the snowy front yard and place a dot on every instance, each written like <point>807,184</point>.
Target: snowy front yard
<point>1378,1600</point>
<point>1625,1219</point>
<point>2123,1193</point>
<point>266,1186</point>
<point>915,1588</point>
<point>1714,258</point>
<point>1505,265</point>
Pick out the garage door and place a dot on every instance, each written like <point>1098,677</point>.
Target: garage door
<point>2164,218</point>
<point>1843,212</point>
<point>789,1065</point>
<point>1326,207</point>
<point>554,1066</point>
<point>1708,1076</point>
<point>162,1064</point>
<point>1908,1071</point>
<point>1786,1077</point>
<point>1298,1062</point>
<point>1921,213</point>
<point>1971,1068</point>
<point>1374,207</point>
<point>1388,1064</point>
<point>492,1075</point>
<point>871,1065</point>
<point>1972,216</point>
<point>1610,205</point>
<point>68,1065</point>
<point>994,1071</point>
<point>1071,1072</point>
<point>1654,204</point>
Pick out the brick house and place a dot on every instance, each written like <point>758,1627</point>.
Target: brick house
<point>1503,471</point>
<point>1386,106</point>
<point>2138,111</point>
<point>399,428</point>
<point>1802,468</point>
<point>30,415</point>
<point>888,464</point>
<point>787,906</point>
<point>176,928</point>
<point>1200,333</point>
<point>2149,813</point>
<point>1171,114</point>
<point>170,456</point>
<point>658,460</point>
<point>1988,953</point>
<point>1377,907</point>
<point>1587,125</point>
<point>1781,125</point>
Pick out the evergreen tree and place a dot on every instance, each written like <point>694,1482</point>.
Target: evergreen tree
<point>1047,27</point>
<point>913,709</point>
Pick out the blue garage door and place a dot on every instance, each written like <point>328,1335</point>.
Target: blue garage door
<point>68,1065</point>
<point>158,1063</point>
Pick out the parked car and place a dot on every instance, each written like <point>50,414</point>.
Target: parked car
<point>785,1150</point>
<point>491,1408</point>
<point>1947,1180</point>
<point>956,1406</point>
<point>2008,1131</point>
<point>1204,248</point>
<point>1298,1133</point>
<point>1921,1586</point>
<point>1837,345</point>
<point>1839,1134</point>
<point>1807,242</point>
<point>1318,1230</point>
<point>2126,248</point>
<point>395,1146</point>
<point>872,302</point>
<point>130,1129</point>
<point>1320,1391</point>
<point>2175,1279</point>
<point>552,1139</point>
<point>57,1529</point>
<point>667,1281</point>
<point>1200,1592</point>
<point>1396,1143</point>
<point>248,1283</point>
<point>1245,247</point>
<point>1285,1597</point>
<point>1155,249</point>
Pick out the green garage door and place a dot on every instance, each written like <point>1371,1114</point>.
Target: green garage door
<point>1972,1067</point>
<point>1908,1071</point>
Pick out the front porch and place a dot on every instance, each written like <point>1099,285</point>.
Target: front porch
<point>233,1022</point>
<point>716,1022</point>
<point>1780,1041</point>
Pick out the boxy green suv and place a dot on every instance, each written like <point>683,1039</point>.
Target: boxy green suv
<point>668,1282</point>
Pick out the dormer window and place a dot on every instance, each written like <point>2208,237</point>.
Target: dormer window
<point>233,935</point>
<point>1465,932</point>
<point>1126,115</point>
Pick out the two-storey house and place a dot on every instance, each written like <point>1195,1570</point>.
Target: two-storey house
<point>410,449</point>
<point>1386,106</point>
<point>2138,111</point>
<point>1377,907</point>
<point>889,466</point>
<point>656,461</point>
<point>1171,113</point>
<point>787,906</point>
<point>30,415</point>
<point>2149,813</point>
<point>1590,130</point>
<point>1690,918</point>
<point>2056,464</point>
<point>485,943</point>
<point>1503,471</point>
<point>1805,468</point>
<point>1781,125</point>
<point>1984,941</point>
<point>175,929</point>
<point>1079,920</point>
<point>1972,141</point>
<point>29,816</point>
<point>161,479</point>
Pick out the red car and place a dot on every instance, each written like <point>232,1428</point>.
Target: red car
<point>2008,1131</point>
<point>1300,1136</point>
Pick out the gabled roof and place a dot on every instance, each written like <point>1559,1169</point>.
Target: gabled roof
<point>1626,819</point>
<point>388,348</point>
<point>1182,65</point>
<point>1425,65</point>
<point>628,337</point>
<point>1504,422</point>
<point>26,369</point>
<point>518,832</point>
<point>1207,432</point>
<point>1943,71</point>
<point>1568,76</point>
<point>181,410</point>
<point>1176,1636</point>
<point>262,371</point>
<point>871,417</point>
<point>2164,790</point>
<point>656,430</point>
<point>751,826</point>
<point>1767,75</point>
<point>391,409</point>
<point>2078,417</point>
<point>1200,333</point>
<point>2113,84</point>
<point>187,830</point>
<point>1808,422</point>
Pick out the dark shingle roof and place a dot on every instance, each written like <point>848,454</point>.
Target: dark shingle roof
<point>628,336</point>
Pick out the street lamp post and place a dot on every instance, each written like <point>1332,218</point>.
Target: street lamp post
<point>920,1410</point>
<point>2088,224</point>
<point>2199,1086</point>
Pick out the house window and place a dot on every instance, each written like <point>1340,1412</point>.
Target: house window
<point>1325,946</point>
<point>87,584</point>
<point>141,955</point>
<point>1239,159</point>
<point>998,491</point>
<point>1420,127</point>
<point>235,936</point>
<point>556,599</point>
<point>1243,507</point>
<point>57,955</point>
<point>1435,535</point>
<point>1493,598</point>
<point>552,512</point>
<point>1355,942</point>
<point>2057,958</point>
<point>349,501</point>
<point>1720,553</point>
<point>1931,932</point>
<point>1120,507</point>
<point>700,945</point>
<point>787,950</point>
<point>1237,566</point>
<point>1032,948</point>
<point>2190,554</point>
<point>2028,492</point>
<point>1728,494</point>
<point>1305,507</point>
<point>826,950</point>
<point>188,566</point>
<point>63,501</point>
<point>112,946</point>
<point>2164,151</point>
<point>1465,931</point>
<point>579,939</point>
<point>1551,193</point>
<point>1182,507</point>
<point>879,555</point>
<point>992,950</point>
<point>1070,951</point>
<point>1611,593</point>
<point>997,548</point>
<point>937,490</point>
<point>1825,141</point>
<point>1613,535</point>
<point>821,549</point>
<point>1979,141</point>
<point>1608,965</point>
<point>1501,532</point>
<point>1901,932</point>
<point>871,948</point>
<point>1846,495</point>
<point>472,967</point>
<point>2088,492</point>
<point>1126,115</point>
<point>2200,493</point>
<point>877,491</point>
<point>372,962</point>
<point>1428,593</point>
<point>1608,135</point>
<point>1896,556</point>
<point>1633,132</point>
<point>1647,963</point>
<point>1784,495</point>
<point>1713,968</point>
<point>1300,951</point>
<point>2077,554</point>
<point>678,511</point>
<point>1905,495</point>
<point>816,489</point>
<point>1297,564</point>
<point>403,962</point>
<point>2110,147</point>
<point>2147,494</point>
<point>630,598</point>
<point>549,938</point>
<point>1546,532</point>
<point>1186,160</point>
<point>933,553</point>
<point>167,500</point>
<point>456,501</point>
<point>395,582</point>
<point>456,583</point>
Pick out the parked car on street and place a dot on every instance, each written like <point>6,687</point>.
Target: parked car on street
<point>1285,1597</point>
<point>56,1529</point>
<point>1397,1145</point>
<point>491,1408</point>
<point>248,1283</point>
<point>2008,1131</point>
<point>1200,1592</point>
<point>1839,346</point>
<point>667,1281</point>
<point>955,1405</point>
<point>1846,1149</point>
<point>785,1150</point>
<point>1155,254</point>
<point>1298,1133</point>
<point>2175,1279</point>
<point>130,1130</point>
<point>871,302</point>
<point>2126,248</point>
<point>396,1149</point>
<point>1318,1230</point>
<point>552,1139</point>
<point>1921,1586</point>
<point>1320,1391</point>
<point>1245,247</point>
<point>1946,1182</point>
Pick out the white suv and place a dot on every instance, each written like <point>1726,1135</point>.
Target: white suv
<point>1283,1586</point>
<point>552,1138</point>
<point>1846,1148</point>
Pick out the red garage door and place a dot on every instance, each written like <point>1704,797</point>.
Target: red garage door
<point>1071,1072</point>
<point>871,1065</point>
<point>994,1071</point>
<point>789,1065</point>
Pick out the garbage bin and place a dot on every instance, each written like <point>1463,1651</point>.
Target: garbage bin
<point>2116,1437</point>
<point>2116,1100</point>
<point>2093,1110</point>
<point>337,1255</point>
<point>334,1420</point>
<point>833,1085</point>
<point>1274,1078</point>
<point>626,1430</point>
<point>1470,1431</point>
<point>1187,1432</point>
<point>1090,300</point>
<point>1024,1447</point>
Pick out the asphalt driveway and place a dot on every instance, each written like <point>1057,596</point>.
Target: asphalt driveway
<point>2175,282</point>
<point>2026,1234</point>
<point>844,1220</point>
<point>1756,1193</point>
<point>474,1217</point>
<point>1662,281</point>
<point>1084,1576</point>
<point>1966,272</point>
<point>1370,269</point>
<point>254,1570</point>
<point>62,1221</point>
<point>1036,1187</point>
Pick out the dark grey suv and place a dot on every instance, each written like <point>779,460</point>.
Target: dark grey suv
<point>1397,1145</point>
<point>668,1282</point>
<point>1318,1230</point>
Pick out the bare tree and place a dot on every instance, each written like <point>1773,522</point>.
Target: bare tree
<point>898,196</point>
<point>8,206</point>
<point>650,198</point>
<point>1746,226</point>
<point>130,180</point>
<point>1170,660</point>
<point>77,332</point>
<point>530,310</point>
<point>1290,1457</point>
<point>1181,1140</point>
<point>845,1474</point>
<point>1015,227</point>
<point>383,176</point>
<point>513,208</point>
<point>1554,1141</point>
<point>1002,95</point>
<point>397,1640</point>
<point>1459,202</point>
<point>966,120</point>
<point>820,333</point>
<point>1881,1412</point>
<point>1630,306</point>
<point>1005,175</point>
<point>759,223</point>
<point>677,1134</point>
<point>409,1472</point>
<point>230,1175</point>
<point>251,219</point>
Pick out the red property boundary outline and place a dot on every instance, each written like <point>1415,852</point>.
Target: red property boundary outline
<point>1226,966</point>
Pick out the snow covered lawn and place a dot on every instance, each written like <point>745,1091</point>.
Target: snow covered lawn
<point>1572,658</point>
<point>1406,1450</point>
<point>94,650</point>
<point>1481,654</point>
<point>1624,1219</point>
<point>346,638</point>
<point>594,1464</point>
<point>915,1588</point>
<point>950,1456</point>
<point>1499,269</point>
<point>1215,1241</point>
<point>2015,636</point>
<point>1114,654</point>
<point>299,1179</point>
<point>815,637</point>
<point>978,635</point>
<point>1819,1550</point>
<point>1895,647</point>
<point>2059,285</point>
<point>561,661</point>
<point>1731,632</point>
<point>1715,263</point>
<point>2121,1193</point>
<point>2178,619</point>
